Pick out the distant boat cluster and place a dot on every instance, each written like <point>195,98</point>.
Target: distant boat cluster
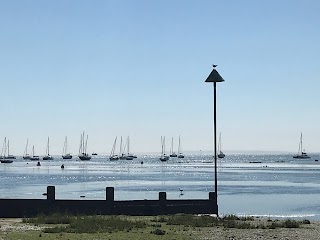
<point>83,155</point>
<point>123,154</point>
<point>164,157</point>
<point>124,151</point>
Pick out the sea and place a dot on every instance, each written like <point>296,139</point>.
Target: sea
<point>265,185</point>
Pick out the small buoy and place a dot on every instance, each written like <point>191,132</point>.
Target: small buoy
<point>141,162</point>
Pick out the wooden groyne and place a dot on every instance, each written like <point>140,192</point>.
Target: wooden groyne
<point>17,208</point>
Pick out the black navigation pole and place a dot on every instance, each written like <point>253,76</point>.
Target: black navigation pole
<point>215,77</point>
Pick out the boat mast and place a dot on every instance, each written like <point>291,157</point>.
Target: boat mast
<point>26,149</point>
<point>300,147</point>
<point>161,146</point>
<point>301,143</point>
<point>171,150</point>
<point>3,152</point>
<point>120,152</point>
<point>80,148</point>
<point>86,145</point>
<point>164,146</point>
<point>128,145</point>
<point>113,147</point>
<point>8,148</point>
<point>48,147</point>
<point>64,146</point>
<point>64,150</point>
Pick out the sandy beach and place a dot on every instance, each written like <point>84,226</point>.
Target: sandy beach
<point>9,227</point>
<point>310,232</point>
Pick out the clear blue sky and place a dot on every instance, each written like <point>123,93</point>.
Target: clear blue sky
<point>137,68</point>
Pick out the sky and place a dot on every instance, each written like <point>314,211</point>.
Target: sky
<point>137,68</point>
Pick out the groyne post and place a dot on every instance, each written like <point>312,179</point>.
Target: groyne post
<point>214,203</point>
<point>110,194</point>
<point>162,202</point>
<point>51,193</point>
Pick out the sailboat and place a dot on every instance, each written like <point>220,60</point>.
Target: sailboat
<point>4,158</point>
<point>47,157</point>
<point>65,154</point>
<point>26,154</point>
<point>83,155</point>
<point>34,157</point>
<point>221,154</point>
<point>163,157</point>
<point>9,156</point>
<point>301,153</point>
<point>172,153</point>
<point>129,156</point>
<point>180,154</point>
<point>113,156</point>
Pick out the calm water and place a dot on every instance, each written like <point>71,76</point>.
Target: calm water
<point>279,186</point>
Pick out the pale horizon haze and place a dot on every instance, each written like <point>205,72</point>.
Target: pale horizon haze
<point>137,68</point>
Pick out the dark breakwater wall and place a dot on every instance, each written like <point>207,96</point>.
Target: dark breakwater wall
<point>16,208</point>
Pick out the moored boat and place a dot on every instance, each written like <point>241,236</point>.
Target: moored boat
<point>26,155</point>
<point>180,154</point>
<point>4,156</point>
<point>65,154</point>
<point>163,157</point>
<point>47,156</point>
<point>83,155</point>
<point>33,156</point>
<point>301,153</point>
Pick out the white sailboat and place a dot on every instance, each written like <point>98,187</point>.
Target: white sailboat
<point>47,156</point>
<point>9,156</point>
<point>129,156</point>
<point>26,154</point>
<point>83,155</point>
<point>220,154</point>
<point>180,154</point>
<point>301,152</point>
<point>65,153</point>
<point>163,157</point>
<point>172,153</point>
<point>4,158</point>
<point>33,156</point>
<point>113,156</point>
